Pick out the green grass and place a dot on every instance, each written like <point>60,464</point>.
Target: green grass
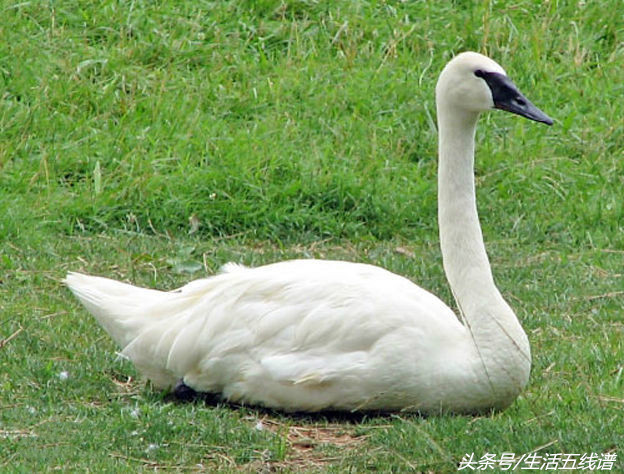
<point>156,141</point>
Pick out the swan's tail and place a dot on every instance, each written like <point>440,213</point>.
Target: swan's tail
<point>117,306</point>
<point>149,325</point>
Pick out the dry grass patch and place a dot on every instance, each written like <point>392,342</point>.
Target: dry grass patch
<point>308,446</point>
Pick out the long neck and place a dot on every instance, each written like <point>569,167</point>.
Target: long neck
<point>500,341</point>
<point>465,261</point>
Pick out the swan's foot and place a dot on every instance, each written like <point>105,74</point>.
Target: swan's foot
<point>183,392</point>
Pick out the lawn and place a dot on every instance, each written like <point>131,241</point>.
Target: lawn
<point>156,141</point>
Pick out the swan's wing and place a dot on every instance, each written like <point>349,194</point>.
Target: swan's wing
<point>300,323</point>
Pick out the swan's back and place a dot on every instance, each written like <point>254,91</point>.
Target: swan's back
<point>298,335</point>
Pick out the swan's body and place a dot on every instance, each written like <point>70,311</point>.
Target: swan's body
<point>311,335</point>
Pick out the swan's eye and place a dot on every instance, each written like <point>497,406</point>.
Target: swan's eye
<point>520,101</point>
<point>479,73</point>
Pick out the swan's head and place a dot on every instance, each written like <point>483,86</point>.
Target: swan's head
<point>474,83</point>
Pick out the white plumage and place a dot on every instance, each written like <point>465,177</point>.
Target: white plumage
<point>311,335</point>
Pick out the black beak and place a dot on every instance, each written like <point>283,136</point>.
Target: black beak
<point>507,97</point>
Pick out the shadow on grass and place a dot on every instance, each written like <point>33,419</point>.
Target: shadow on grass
<point>182,394</point>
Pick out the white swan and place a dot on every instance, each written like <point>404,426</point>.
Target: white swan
<point>311,335</point>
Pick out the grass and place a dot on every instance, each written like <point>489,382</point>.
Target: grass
<point>154,142</point>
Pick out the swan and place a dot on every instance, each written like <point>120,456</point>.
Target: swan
<point>314,335</point>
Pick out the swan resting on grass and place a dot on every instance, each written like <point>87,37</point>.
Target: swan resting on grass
<point>313,335</point>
